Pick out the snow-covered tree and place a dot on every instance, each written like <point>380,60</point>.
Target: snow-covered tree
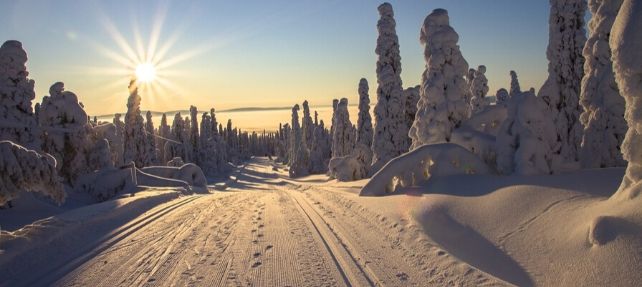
<point>306,126</point>
<point>66,131</point>
<point>479,89</point>
<point>527,137</point>
<point>175,148</point>
<point>118,145</point>
<point>442,105</point>
<point>318,149</point>
<point>208,147</point>
<point>194,135</point>
<point>215,131</point>
<point>561,90</point>
<point>164,132</point>
<point>299,162</point>
<point>411,96</point>
<point>502,96</point>
<point>342,138</point>
<point>390,129</point>
<point>27,170</point>
<point>514,84</point>
<point>364,121</point>
<point>135,144</point>
<point>17,120</point>
<point>626,44</point>
<point>603,116</point>
<point>151,138</point>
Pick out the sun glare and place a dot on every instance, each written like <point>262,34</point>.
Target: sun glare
<point>145,72</point>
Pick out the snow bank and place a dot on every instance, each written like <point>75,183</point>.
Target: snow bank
<point>26,170</point>
<point>422,163</point>
<point>190,173</point>
<point>106,183</point>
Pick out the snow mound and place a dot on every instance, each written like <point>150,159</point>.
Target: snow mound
<point>27,170</point>
<point>421,164</point>
<point>189,173</point>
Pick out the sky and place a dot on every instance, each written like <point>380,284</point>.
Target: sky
<point>232,54</point>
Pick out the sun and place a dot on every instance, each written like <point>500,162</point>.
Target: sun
<point>145,72</point>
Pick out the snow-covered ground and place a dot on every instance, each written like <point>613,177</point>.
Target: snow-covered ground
<point>269,230</point>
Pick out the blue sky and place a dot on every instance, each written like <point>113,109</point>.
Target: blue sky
<point>260,53</point>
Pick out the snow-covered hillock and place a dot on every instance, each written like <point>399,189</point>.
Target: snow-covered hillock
<point>421,164</point>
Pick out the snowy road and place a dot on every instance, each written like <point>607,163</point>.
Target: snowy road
<point>265,231</point>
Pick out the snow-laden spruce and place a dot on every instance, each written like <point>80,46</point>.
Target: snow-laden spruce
<point>390,129</point>
<point>514,84</point>
<point>27,170</point>
<point>17,119</point>
<point>626,44</point>
<point>194,138</point>
<point>164,132</point>
<point>561,91</point>
<point>320,148</point>
<point>306,125</point>
<point>411,98</point>
<point>442,105</point>
<point>603,116</point>
<point>342,137</point>
<point>502,96</point>
<point>151,138</point>
<point>66,132</point>
<point>527,137</point>
<point>135,144</point>
<point>364,121</point>
<point>479,89</point>
<point>118,145</point>
<point>299,160</point>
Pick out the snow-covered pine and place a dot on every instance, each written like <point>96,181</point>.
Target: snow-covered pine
<point>188,149</point>
<point>479,89</point>
<point>502,96</point>
<point>561,90</point>
<point>626,44</point>
<point>306,126</point>
<point>22,169</point>
<point>215,131</point>
<point>342,137</point>
<point>364,121</point>
<point>164,132</point>
<point>527,137</point>
<point>390,129</point>
<point>194,135</point>
<point>135,144</point>
<point>118,145</point>
<point>17,120</point>
<point>66,132</point>
<point>442,106</point>
<point>299,162</point>
<point>208,147</point>
<point>318,155</point>
<point>411,96</point>
<point>151,138</point>
<point>514,84</point>
<point>603,116</point>
<point>175,148</point>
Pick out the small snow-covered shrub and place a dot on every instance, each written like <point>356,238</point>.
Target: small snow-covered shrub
<point>489,120</point>
<point>190,173</point>
<point>26,170</point>
<point>176,162</point>
<point>106,183</point>
<point>351,167</point>
<point>418,165</point>
<point>480,143</point>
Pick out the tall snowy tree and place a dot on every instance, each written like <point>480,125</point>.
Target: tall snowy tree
<point>17,120</point>
<point>135,144</point>
<point>306,126</point>
<point>603,116</point>
<point>561,91</point>
<point>479,89</point>
<point>514,84</point>
<point>208,147</point>
<point>364,121</point>
<point>299,162</point>
<point>343,136</point>
<point>442,106</point>
<point>411,96</point>
<point>390,129</point>
<point>117,145</point>
<point>194,135</point>
<point>67,132</point>
<point>175,148</point>
<point>164,132</point>
<point>151,138</point>
<point>626,44</point>
<point>214,122</point>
